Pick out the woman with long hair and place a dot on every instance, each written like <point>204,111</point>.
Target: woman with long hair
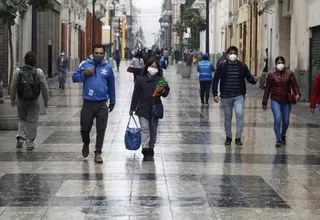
<point>284,89</point>
<point>146,102</point>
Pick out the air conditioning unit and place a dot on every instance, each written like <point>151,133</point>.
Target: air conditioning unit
<point>287,8</point>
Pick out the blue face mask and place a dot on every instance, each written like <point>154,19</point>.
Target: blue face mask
<point>98,59</point>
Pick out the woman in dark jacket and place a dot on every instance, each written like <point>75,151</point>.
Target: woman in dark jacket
<point>147,106</point>
<point>281,83</point>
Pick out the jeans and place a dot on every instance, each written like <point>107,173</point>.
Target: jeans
<point>149,130</point>
<point>90,111</point>
<point>228,104</point>
<point>281,112</point>
<point>205,90</point>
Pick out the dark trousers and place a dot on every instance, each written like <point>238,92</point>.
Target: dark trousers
<point>136,73</point>
<point>166,59</point>
<point>90,111</point>
<point>118,64</point>
<point>205,91</point>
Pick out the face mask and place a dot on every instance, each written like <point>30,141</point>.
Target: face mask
<point>62,54</point>
<point>232,57</point>
<point>153,71</point>
<point>98,59</point>
<point>280,66</point>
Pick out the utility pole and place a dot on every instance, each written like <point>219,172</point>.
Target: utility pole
<point>93,35</point>
<point>207,27</point>
<point>131,22</point>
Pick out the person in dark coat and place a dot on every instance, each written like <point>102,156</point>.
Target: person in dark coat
<point>143,103</point>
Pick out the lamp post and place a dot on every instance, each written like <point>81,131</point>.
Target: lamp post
<point>207,27</point>
<point>93,35</point>
<point>112,8</point>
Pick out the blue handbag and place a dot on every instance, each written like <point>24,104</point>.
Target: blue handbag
<point>132,138</point>
<point>157,111</point>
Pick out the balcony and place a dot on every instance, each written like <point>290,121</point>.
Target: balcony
<point>178,2</point>
<point>199,4</point>
<point>100,8</point>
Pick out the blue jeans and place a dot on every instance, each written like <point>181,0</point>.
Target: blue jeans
<point>228,104</point>
<point>281,112</point>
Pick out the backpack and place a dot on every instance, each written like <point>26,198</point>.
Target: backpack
<point>28,84</point>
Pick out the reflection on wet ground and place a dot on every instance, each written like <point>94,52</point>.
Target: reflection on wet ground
<point>193,175</point>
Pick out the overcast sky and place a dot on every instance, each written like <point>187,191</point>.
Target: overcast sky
<point>150,14</point>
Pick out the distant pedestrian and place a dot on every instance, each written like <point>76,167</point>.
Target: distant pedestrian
<point>63,66</point>
<point>137,64</point>
<point>98,89</point>
<point>27,84</point>
<point>117,57</point>
<point>205,69</point>
<point>280,84</point>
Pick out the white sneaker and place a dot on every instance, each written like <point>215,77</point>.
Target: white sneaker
<point>20,142</point>
<point>30,145</point>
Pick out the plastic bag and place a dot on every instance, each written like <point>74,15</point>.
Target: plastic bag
<point>132,138</point>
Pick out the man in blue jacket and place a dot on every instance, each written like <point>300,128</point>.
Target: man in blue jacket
<point>98,88</point>
<point>232,75</point>
<point>205,70</point>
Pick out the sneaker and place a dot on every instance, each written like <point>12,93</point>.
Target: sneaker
<point>228,141</point>
<point>85,150</point>
<point>238,142</point>
<point>283,140</point>
<point>278,143</point>
<point>98,158</point>
<point>30,145</point>
<point>20,142</point>
<point>202,104</point>
<point>206,105</point>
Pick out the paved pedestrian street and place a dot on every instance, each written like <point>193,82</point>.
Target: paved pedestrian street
<point>193,175</point>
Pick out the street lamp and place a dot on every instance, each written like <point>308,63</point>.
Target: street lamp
<point>207,27</point>
<point>93,35</point>
<point>113,5</point>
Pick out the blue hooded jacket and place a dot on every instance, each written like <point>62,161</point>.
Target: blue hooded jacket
<point>205,69</point>
<point>99,86</point>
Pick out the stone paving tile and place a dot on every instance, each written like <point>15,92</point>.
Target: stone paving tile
<point>193,175</point>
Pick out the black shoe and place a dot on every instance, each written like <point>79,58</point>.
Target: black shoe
<point>238,142</point>
<point>85,150</point>
<point>228,141</point>
<point>151,152</point>
<point>145,152</point>
<point>278,144</point>
<point>283,140</point>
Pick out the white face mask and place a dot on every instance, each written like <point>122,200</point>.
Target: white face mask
<point>280,66</point>
<point>232,57</point>
<point>62,54</point>
<point>153,71</point>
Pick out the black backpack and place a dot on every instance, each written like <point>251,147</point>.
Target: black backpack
<point>28,85</point>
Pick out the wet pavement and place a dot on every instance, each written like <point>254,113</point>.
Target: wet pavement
<point>193,175</point>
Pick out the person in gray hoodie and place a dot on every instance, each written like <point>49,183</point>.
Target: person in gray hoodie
<point>27,84</point>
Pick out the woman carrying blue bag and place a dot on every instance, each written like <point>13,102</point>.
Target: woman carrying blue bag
<point>147,105</point>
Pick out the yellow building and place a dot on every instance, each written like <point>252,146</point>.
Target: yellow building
<point>106,30</point>
<point>243,32</point>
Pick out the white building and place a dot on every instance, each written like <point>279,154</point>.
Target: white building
<point>220,18</point>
